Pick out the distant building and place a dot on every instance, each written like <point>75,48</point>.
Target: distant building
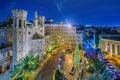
<point>48,21</point>
<point>62,33</point>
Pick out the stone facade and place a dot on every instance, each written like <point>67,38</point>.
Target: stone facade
<point>62,33</point>
<point>27,39</point>
<point>5,58</point>
<point>111,45</point>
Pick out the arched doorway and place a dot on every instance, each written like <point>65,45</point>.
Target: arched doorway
<point>108,47</point>
<point>113,48</point>
<point>118,48</point>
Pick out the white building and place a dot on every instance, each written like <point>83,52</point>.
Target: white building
<point>111,44</point>
<point>27,39</point>
<point>62,34</point>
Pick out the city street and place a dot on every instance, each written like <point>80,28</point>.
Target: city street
<point>67,67</point>
<point>115,59</point>
<point>47,71</point>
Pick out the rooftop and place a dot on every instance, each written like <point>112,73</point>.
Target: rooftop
<point>116,38</point>
<point>37,36</point>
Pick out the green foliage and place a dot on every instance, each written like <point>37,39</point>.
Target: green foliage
<point>97,39</point>
<point>90,69</point>
<point>100,76</point>
<point>25,67</point>
<point>101,73</point>
<point>77,56</point>
<point>57,75</point>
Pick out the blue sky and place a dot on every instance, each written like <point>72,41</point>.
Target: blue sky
<point>96,12</point>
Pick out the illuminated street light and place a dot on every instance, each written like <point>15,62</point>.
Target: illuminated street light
<point>69,25</point>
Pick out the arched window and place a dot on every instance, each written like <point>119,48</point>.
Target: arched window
<point>113,48</point>
<point>20,23</point>
<point>118,48</point>
<point>108,47</point>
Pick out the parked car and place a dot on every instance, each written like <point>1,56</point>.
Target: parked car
<point>72,72</point>
<point>62,57</point>
<point>60,66</point>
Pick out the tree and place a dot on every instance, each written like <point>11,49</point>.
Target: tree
<point>101,73</point>
<point>97,40</point>
<point>77,56</point>
<point>25,67</point>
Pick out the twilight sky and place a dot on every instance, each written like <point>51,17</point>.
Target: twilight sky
<point>96,12</point>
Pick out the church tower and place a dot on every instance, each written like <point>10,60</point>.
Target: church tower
<point>35,19</point>
<point>19,35</point>
<point>41,20</point>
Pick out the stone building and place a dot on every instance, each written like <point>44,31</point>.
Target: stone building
<point>62,33</point>
<point>111,44</point>
<point>27,39</point>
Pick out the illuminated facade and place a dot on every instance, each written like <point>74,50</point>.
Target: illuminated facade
<point>62,33</point>
<point>111,44</point>
<point>27,39</point>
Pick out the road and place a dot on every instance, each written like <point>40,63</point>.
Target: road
<point>67,67</point>
<point>47,71</point>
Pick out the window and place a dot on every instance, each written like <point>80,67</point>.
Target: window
<point>20,22</point>
<point>2,34</point>
<point>29,33</point>
<point>20,32</point>
<point>19,41</point>
<point>15,22</point>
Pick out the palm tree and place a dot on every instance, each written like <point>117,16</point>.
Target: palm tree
<point>25,67</point>
<point>101,73</point>
<point>100,76</point>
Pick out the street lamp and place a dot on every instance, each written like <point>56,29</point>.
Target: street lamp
<point>69,25</point>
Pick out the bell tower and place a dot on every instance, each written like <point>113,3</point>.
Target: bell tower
<point>41,24</point>
<point>19,35</point>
